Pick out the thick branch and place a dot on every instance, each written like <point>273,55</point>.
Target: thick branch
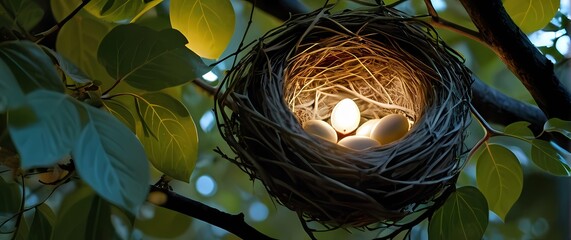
<point>499,108</point>
<point>231,223</point>
<point>520,55</point>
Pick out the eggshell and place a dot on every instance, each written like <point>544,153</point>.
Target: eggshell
<point>345,116</point>
<point>320,129</point>
<point>390,128</point>
<point>365,129</point>
<point>358,142</point>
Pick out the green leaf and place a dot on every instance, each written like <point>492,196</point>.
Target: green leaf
<point>170,137</point>
<point>148,59</point>
<point>548,159</point>
<point>11,96</point>
<point>499,177</point>
<point>44,221</point>
<point>25,13</point>
<point>558,125</point>
<point>51,137</point>
<point>23,230</point>
<point>464,215</point>
<point>79,46</point>
<point>207,24</point>
<point>10,200</point>
<point>99,220</point>
<point>83,215</point>
<point>519,129</point>
<point>112,161</point>
<point>121,112</point>
<point>531,15</point>
<point>68,68</point>
<point>115,10</point>
<point>62,8</point>
<point>31,66</point>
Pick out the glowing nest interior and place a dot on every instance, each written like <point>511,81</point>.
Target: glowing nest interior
<point>387,63</point>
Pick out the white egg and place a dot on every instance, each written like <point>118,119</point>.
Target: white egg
<point>345,116</point>
<point>320,129</point>
<point>358,142</point>
<point>390,128</point>
<point>365,129</point>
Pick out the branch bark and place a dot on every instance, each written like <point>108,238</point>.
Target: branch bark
<point>520,56</point>
<point>496,107</point>
<point>231,223</point>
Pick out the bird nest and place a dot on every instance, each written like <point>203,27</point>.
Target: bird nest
<point>385,61</point>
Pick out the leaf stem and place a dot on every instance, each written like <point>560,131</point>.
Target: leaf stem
<point>59,25</point>
<point>112,87</point>
<point>489,131</point>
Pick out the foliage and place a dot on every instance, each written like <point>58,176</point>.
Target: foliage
<point>112,95</point>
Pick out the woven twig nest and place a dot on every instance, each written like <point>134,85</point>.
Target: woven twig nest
<point>387,63</point>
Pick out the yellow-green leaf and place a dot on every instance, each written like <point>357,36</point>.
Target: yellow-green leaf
<point>500,178</point>
<point>464,215</point>
<point>78,40</point>
<point>44,221</point>
<point>115,10</point>
<point>558,125</point>
<point>168,135</point>
<point>548,159</point>
<point>531,15</point>
<point>207,24</point>
<point>148,6</point>
<point>519,129</point>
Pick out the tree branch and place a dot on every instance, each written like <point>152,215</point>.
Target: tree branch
<point>232,223</point>
<point>498,108</point>
<point>521,56</point>
<point>205,86</point>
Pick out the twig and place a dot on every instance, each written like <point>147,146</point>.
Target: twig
<point>437,21</point>
<point>205,86</point>
<point>231,223</point>
<point>58,26</point>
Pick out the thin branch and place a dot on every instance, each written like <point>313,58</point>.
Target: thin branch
<point>58,26</point>
<point>437,21</point>
<point>231,223</point>
<point>205,86</point>
<point>518,53</point>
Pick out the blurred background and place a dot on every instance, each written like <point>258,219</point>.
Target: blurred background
<point>542,211</point>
